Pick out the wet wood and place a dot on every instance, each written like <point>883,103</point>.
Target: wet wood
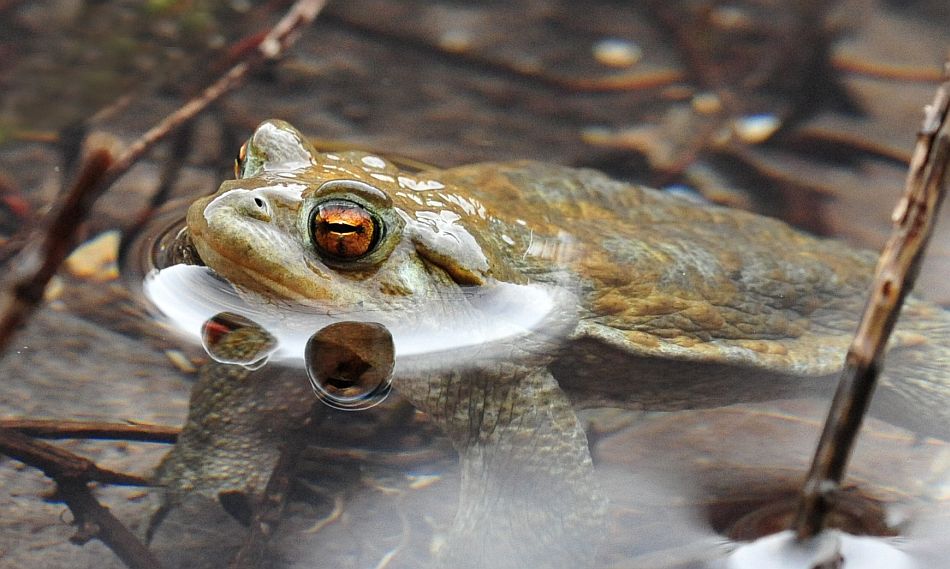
<point>72,475</point>
<point>894,278</point>
<point>98,172</point>
<point>58,463</point>
<point>96,522</point>
<point>55,429</point>
<point>26,292</point>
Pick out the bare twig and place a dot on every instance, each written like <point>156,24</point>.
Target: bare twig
<point>59,464</point>
<point>100,171</point>
<point>72,474</point>
<point>635,80</point>
<point>26,293</point>
<point>894,277</point>
<point>180,146</point>
<point>55,429</point>
<point>95,521</point>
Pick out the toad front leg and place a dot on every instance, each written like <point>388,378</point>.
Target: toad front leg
<point>528,494</point>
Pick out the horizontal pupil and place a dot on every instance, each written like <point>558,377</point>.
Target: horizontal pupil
<point>342,227</point>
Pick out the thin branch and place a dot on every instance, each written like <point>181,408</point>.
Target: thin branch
<point>95,521</point>
<point>72,475</point>
<point>55,429</point>
<point>100,171</point>
<point>26,292</point>
<point>635,80</point>
<point>60,464</point>
<point>180,146</point>
<point>894,277</point>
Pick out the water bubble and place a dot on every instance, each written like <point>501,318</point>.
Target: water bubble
<point>350,364</point>
<point>233,339</point>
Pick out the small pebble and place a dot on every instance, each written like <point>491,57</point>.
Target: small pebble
<point>617,53</point>
<point>706,103</point>
<point>455,41</point>
<point>181,361</point>
<point>754,129</point>
<point>731,18</point>
<point>54,289</point>
<point>420,481</point>
<point>96,259</point>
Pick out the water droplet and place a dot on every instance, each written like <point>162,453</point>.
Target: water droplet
<point>233,339</point>
<point>350,364</point>
<point>374,161</point>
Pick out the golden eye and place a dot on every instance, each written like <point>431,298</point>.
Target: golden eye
<point>239,161</point>
<point>343,229</point>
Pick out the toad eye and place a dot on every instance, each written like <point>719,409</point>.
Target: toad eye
<point>240,160</point>
<point>343,229</point>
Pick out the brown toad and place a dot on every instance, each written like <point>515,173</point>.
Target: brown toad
<point>653,302</point>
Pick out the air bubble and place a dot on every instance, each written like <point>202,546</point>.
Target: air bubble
<point>233,339</point>
<point>350,364</point>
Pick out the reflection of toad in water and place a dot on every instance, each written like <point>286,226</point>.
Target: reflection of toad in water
<point>514,292</point>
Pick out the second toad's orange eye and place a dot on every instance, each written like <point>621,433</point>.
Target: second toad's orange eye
<point>343,229</point>
<point>239,161</point>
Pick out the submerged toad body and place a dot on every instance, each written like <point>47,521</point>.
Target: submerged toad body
<point>673,306</point>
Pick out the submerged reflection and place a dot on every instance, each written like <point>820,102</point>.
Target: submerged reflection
<point>698,485</point>
<point>829,549</point>
<point>479,319</point>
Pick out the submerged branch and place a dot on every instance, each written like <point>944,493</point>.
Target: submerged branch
<point>55,429</point>
<point>95,521</point>
<point>26,292</point>
<point>60,464</point>
<point>72,474</point>
<point>894,278</point>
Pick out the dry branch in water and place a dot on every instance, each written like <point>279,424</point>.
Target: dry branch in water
<point>894,277</point>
